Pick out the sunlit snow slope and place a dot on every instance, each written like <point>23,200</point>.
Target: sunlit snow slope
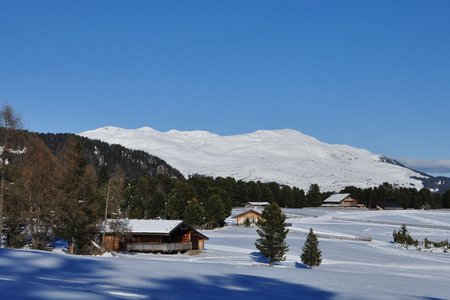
<point>284,156</point>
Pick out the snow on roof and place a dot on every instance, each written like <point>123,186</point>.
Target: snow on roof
<point>336,198</point>
<point>148,226</point>
<point>258,212</point>
<point>258,203</point>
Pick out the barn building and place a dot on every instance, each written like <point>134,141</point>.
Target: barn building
<point>341,200</point>
<point>256,205</point>
<point>252,215</point>
<point>164,236</point>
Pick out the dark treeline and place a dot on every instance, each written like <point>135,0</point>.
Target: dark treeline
<point>163,197</point>
<point>205,201</point>
<point>404,197</point>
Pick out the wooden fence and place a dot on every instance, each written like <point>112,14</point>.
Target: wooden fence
<point>159,247</point>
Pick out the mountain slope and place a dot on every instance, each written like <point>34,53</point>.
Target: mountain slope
<point>284,156</point>
<point>134,163</point>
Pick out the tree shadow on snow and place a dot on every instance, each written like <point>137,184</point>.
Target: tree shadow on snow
<point>301,266</point>
<point>46,275</point>
<point>234,286</point>
<point>259,258</point>
<point>40,275</point>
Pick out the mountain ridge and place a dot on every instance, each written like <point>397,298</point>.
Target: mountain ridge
<point>285,156</point>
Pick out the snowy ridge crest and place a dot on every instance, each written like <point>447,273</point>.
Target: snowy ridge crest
<point>285,156</point>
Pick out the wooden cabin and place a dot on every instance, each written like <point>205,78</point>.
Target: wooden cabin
<point>389,205</point>
<point>341,200</point>
<point>252,215</point>
<point>256,205</point>
<point>164,236</point>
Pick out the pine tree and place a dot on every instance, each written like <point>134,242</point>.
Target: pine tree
<point>299,197</point>
<point>266,192</point>
<point>272,232</point>
<point>314,197</point>
<point>446,199</point>
<point>157,205</point>
<point>180,194</point>
<point>241,194</point>
<point>254,193</point>
<point>286,197</point>
<point>214,212</point>
<point>193,214</point>
<point>311,255</point>
<point>222,196</point>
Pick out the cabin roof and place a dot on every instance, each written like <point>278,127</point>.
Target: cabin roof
<point>248,211</point>
<point>159,227</point>
<point>336,198</point>
<point>152,226</point>
<point>258,203</point>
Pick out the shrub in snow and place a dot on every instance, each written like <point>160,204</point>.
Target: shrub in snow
<point>402,237</point>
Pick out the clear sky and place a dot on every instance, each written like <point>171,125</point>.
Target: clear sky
<point>370,74</point>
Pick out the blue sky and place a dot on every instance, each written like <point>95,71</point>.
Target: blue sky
<point>371,74</point>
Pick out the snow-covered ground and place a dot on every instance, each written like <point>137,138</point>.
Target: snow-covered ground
<point>231,268</point>
<point>265,155</point>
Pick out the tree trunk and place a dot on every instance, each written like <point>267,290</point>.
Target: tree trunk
<point>71,246</point>
<point>2,188</point>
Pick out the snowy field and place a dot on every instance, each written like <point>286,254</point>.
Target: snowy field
<point>230,267</point>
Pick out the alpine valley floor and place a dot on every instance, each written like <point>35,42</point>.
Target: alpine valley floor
<point>231,268</point>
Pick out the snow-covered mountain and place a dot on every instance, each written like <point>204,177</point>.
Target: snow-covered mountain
<point>284,156</point>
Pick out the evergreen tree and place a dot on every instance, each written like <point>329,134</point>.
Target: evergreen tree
<point>214,212</point>
<point>299,197</point>
<point>275,188</point>
<point>193,214</point>
<point>223,197</point>
<point>138,198</point>
<point>241,194</point>
<point>180,194</point>
<point>175,207</point>
<point>272,231</point>
<point>254,193</point>
<point>103,175</point>
<point>446,199</point>
<point>426,199</point>
<point>286,197</point>
<point>311,255</point>
<point>157,205</point>
<point>266,192</point>
<point>201,184</point>
<point>314,197</point>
